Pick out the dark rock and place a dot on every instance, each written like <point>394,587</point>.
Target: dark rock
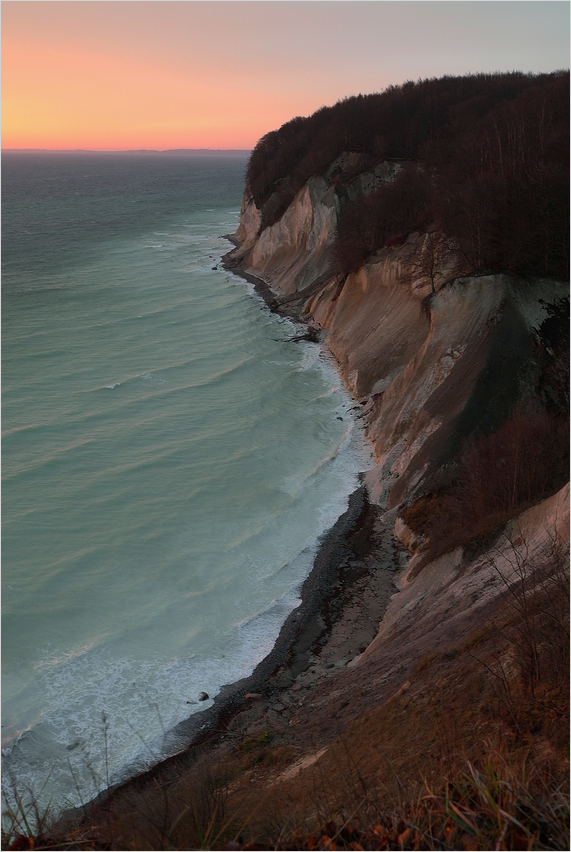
<point>203,696</point>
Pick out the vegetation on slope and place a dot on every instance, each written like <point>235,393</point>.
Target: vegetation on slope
<point>485,158</point>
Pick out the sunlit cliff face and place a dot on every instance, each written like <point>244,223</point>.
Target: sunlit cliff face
<point>434,338</point>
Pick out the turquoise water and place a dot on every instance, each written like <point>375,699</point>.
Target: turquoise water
<point>170,458</point>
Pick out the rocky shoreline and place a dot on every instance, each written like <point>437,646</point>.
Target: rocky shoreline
<point>312,672</point>
<point>343,600</point>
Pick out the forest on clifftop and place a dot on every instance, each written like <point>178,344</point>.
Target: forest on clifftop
<point>484,160</point>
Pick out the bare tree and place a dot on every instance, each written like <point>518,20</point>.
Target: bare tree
<point>428,262</point>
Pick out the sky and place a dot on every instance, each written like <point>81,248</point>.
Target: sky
<point>156,74</point>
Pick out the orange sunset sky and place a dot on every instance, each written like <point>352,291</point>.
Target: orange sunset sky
<point>121,75</point>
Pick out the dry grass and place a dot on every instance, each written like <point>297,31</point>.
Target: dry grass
<point>497,477</point>
<point>443,765</point>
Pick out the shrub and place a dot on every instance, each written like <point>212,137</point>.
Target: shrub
<point>498,475</point>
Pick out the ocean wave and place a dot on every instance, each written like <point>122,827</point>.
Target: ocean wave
<point>64,658</point>
<point>13,737</point>
<point>279,609</point>
<point>35,464</point>
<point>25,428</point>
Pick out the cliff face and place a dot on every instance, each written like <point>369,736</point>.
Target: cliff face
<point>293,255</point>
<point>429,368</point>
<point>439,359</point>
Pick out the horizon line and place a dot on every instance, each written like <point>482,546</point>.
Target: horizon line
<point>127,150</point>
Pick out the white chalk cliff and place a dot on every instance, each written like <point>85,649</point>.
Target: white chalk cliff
<point>429,368</point>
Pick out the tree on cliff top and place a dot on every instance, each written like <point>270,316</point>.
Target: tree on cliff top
<point>496,148</point>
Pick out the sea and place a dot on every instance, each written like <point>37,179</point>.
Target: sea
<point>171,455</point>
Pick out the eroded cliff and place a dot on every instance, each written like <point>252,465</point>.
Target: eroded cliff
<point>434,357</point>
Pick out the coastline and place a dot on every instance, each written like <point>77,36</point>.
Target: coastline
<point>343,600</point>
